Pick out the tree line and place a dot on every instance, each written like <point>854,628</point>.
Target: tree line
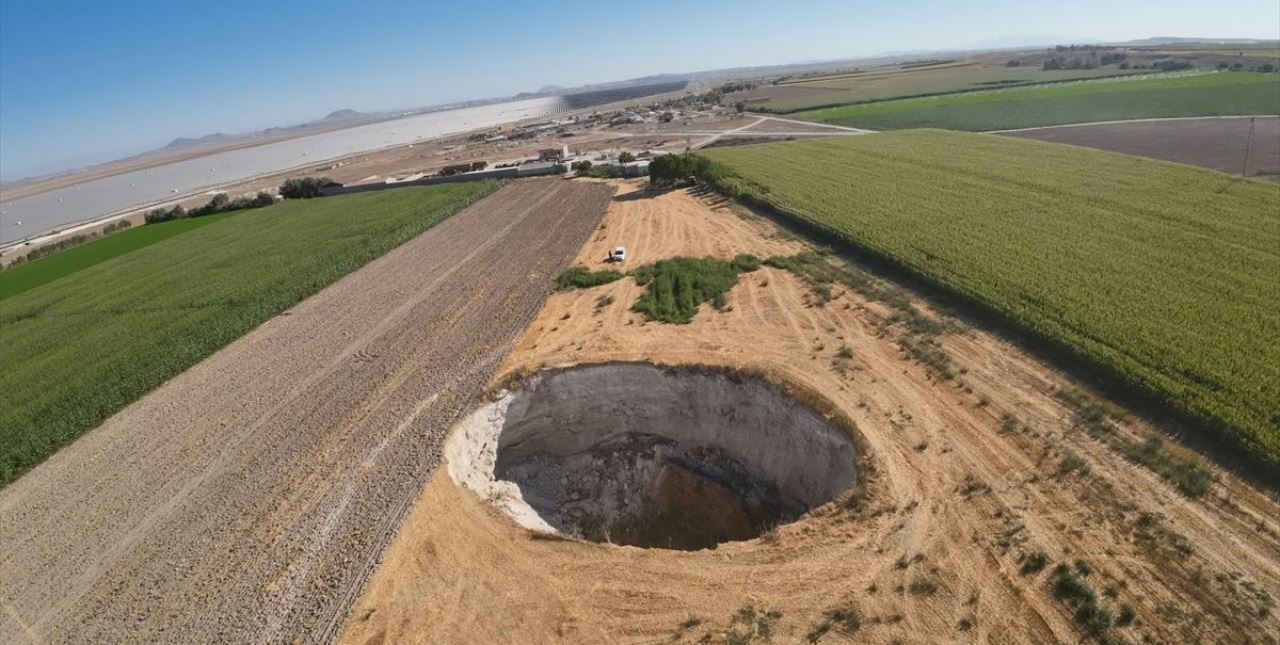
<point>294,188</point>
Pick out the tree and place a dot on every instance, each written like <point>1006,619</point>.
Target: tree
<point>626,157</point>
<point>666,117</point>
<point>302,187</point>
<point>671,170</point>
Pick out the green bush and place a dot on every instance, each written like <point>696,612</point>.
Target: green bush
<point>745,263</point>
<point>1033,563</point>
<point>675,169</point>
<point>302,187</point>
<point>676,287</point>
<point>584,278</point>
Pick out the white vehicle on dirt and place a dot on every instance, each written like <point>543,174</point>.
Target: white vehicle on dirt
<point>618,254</point>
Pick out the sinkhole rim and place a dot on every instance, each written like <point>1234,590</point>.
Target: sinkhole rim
<point>636,453</point>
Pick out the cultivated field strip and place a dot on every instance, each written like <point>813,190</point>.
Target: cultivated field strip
<point>1165,275</point>
<point>248,499</point>
<point>1146,96</point>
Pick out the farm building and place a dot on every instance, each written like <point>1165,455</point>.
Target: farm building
<point>553,154</point>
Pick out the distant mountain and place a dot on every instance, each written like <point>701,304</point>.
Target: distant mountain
<point>343,115</point>
<point>335,118</point>
<point>182,143</point>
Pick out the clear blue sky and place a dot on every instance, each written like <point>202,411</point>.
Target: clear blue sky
<point>87,81</point>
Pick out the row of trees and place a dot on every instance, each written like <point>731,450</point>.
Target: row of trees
<point>220,203</point>
<point>1092,61</point>
<point>66,243</point>
<point>1265,68</point>
<point>674,170</point>
<point>295,188</point>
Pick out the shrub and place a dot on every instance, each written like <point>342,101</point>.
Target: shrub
<point>1071,463</point>
<point>584,278</point>
<point>845,618</point>
<point>676,287</point>
<point>116,226</point>
<point>1033,563</point>
<point>1008,423</point>
<point>923,587</point>
<point>220,203</point>
<point>1125,616</point>
<point>745,263</point>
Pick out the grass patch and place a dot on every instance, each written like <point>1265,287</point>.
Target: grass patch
<point>750,625</point>
<point>923,587</point>
<point>1069,586</point>
<point>1158,540</point>
<point>77,350</point>
<point>584,278</point>
<point>1108,261</point>
<point>29,275</point>
<point>1072,463</point>
<point>677,287</point>
<point>1189,476</point>
<point>917,333</point>
<point>845,619</point>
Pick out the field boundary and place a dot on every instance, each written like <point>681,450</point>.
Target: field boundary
<point>1139,120</point>
<point>828,106</point>
<point>1204,435</point>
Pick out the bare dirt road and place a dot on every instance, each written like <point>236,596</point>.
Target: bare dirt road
<point>971,477</point>
<point>248,499</point>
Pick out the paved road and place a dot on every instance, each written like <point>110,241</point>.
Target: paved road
<point>248,499</point>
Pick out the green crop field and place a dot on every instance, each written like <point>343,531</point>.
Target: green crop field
<point>880,85</point>
<point>81,347</point>
<point>1163,276</point>
<point>1171,95</point>
<point>30,275</point>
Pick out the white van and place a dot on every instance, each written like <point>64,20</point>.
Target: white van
<point>618,254</point>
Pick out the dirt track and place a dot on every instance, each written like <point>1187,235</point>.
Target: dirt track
<point>248,499</point>
<point>956,498</point>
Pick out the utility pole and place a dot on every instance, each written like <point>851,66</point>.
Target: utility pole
<point>1248,143</point>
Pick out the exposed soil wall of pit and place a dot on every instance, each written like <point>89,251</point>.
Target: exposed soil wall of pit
<point>633,453</point>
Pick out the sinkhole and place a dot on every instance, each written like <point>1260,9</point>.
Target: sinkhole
<point>648,456</point>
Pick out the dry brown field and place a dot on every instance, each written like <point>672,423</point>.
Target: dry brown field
<point>967,478</point>
<point>1215,143</point>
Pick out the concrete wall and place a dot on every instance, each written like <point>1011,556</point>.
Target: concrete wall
<point>512,172</point>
